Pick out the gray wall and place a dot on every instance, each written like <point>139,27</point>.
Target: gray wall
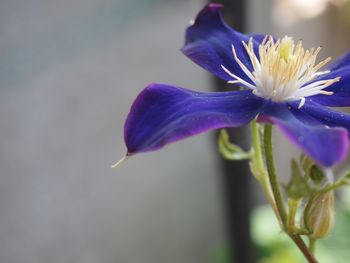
<point>69,71</point>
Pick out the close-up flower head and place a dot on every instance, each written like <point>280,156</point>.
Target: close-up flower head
<point>282,83</point>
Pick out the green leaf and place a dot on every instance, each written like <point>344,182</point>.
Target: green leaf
<point>229,150</point>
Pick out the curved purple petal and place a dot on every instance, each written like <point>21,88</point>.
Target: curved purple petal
<point>162,114</point>
<point>327,146</point>
<point>321,114</point>
<point>209,40</point>
<point>342,61</point>
<point>341,97</point>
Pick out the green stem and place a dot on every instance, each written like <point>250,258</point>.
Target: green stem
<point>293,205</point>
<point>257,146</point>
<point>259,169</point>
<point>303,248</point>
<point>312,245</point>
<point>272,173</point>
<point>278,196</point>
<point>334,186</point>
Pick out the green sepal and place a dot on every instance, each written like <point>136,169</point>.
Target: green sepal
<point>316,174</point>
<point>311,170</point>
<point>297,186</point>
<point>229,150</point>
<point>306,163</point>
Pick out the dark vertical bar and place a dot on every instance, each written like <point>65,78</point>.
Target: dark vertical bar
<point>236,174</point>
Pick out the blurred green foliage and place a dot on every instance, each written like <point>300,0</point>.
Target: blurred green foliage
<point>273,246</point>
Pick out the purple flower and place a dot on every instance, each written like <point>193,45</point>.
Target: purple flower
<point>284,85</point>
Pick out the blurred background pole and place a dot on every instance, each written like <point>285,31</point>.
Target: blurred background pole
<point>235,174</point>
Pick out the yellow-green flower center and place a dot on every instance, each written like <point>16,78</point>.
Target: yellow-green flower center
<point>284,70</point>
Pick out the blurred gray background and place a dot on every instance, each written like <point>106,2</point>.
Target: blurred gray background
<point>69,71</point>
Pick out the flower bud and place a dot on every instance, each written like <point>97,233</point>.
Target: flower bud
<point>319,215</point>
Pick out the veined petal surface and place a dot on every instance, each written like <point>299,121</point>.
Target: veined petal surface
<point>327,146</point>
<point>341,62</point>
<point>324,115</point>
<point>162,114</point>
<point>209,40</point>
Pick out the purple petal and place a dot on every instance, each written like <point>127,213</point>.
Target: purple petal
<point>208,42</point>
<point>341,97</point>
<point>342,61</point>
<point>321,114</point>
<point>162,114</point>
<point>327,146</point>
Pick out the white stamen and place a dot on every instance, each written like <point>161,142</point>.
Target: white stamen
<point>233,81</point>
<point>320,73</point>
<point>244,68</point>
<point>302,102</point>
<point>238,78</point>
<point>326,92</point>
<point>284,70</point>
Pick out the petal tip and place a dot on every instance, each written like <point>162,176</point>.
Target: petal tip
<point>340,150</point>
<point>208,11</point>
<point>345,141</point>
<point>121,161</point>
<point>214,6</point>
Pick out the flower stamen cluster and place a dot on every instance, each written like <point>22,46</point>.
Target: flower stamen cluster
<point>283,70</point>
